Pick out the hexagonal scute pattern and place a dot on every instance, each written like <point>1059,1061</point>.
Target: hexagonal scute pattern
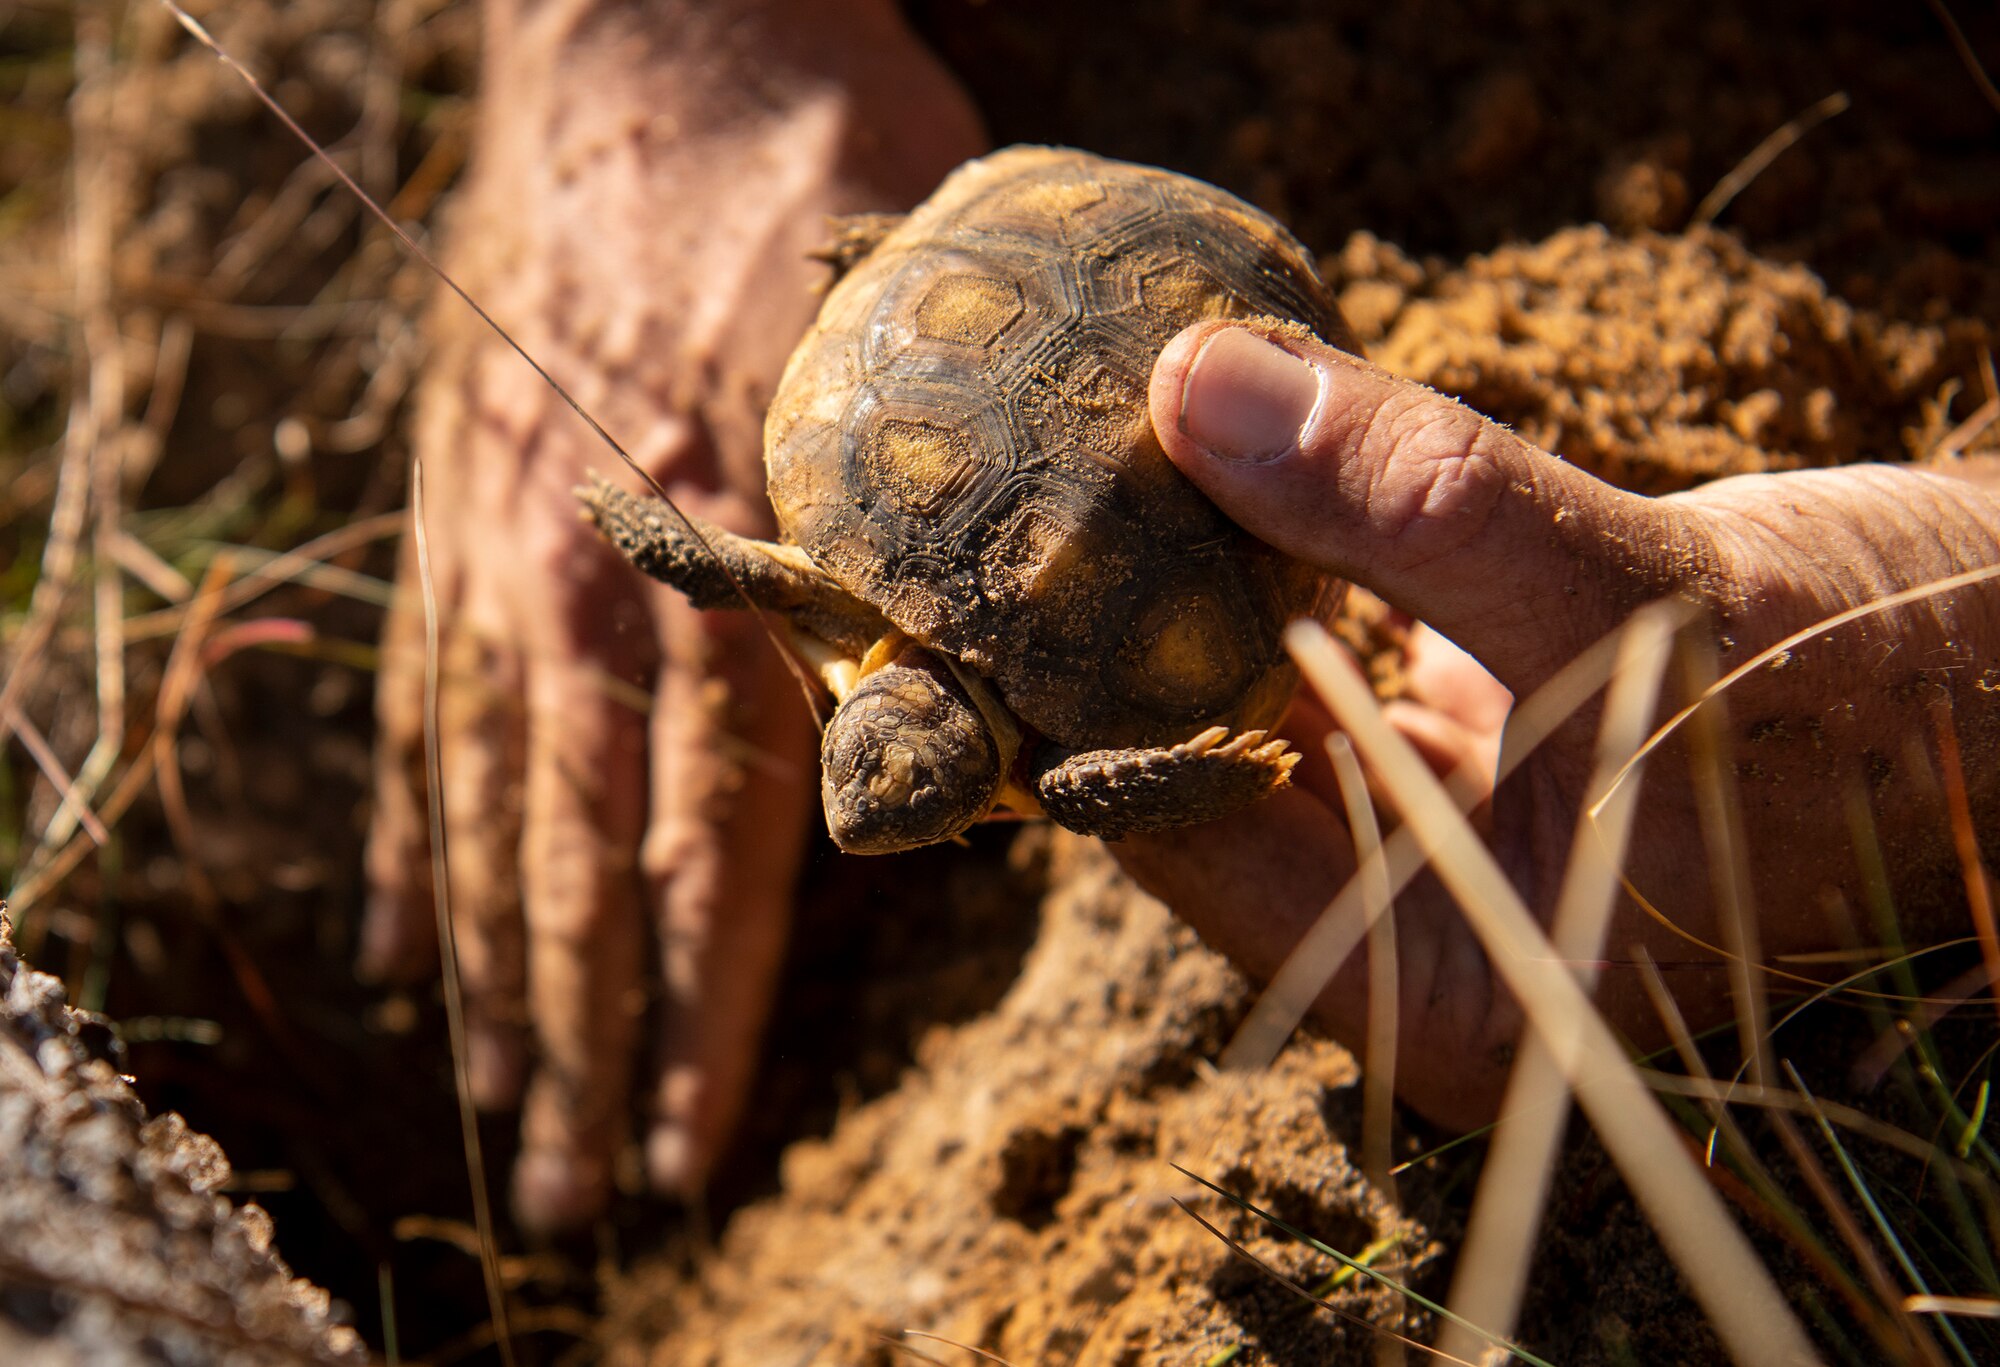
<point>991,480</point>
<point>970,310</point>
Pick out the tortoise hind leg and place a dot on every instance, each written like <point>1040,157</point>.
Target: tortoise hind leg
<point>1110,793</point>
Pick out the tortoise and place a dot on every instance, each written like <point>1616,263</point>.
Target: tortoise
<point>1012,594</point>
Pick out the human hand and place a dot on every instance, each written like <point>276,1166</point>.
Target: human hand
<point>648,183</point>
<point>1524,561</point>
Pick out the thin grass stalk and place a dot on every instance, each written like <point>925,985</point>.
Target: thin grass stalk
<point>69,792</point>
<point>1883,1227</point>
<point>1782,1214</point>
<point>454,991</point>
<point>1347,1261</point>
<point>1735,1290</point>
<point>1378,1066</point>
<point>1918,1080</point>
<point>1719,807</point>
<point>1965,840</point>
<point>1500,1236</point>
<point>1326,944</point>
<point>1951,583</point>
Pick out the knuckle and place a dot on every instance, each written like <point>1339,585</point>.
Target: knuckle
<point>1437,474</point>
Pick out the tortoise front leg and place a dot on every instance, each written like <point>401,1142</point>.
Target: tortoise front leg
<point>719,569</point>
<point>1111,793</point>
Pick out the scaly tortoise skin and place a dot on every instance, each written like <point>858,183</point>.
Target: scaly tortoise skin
<point>1014,595</point>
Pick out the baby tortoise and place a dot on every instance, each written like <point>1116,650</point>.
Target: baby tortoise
<point>1011,592</point>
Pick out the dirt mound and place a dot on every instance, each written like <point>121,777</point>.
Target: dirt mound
<point>1014,1192</point>
<point>115,1245</point>
<point>1656,361</point>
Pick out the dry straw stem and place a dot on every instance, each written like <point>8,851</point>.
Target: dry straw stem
<point>1378,1066</point>
<point>59,778</point>
<point>1493,1261</point>
<point>1719,807</point>
<point>1883,1227</point>
<point>177,686</point>
<point>1326,944</point>
<point>1296,1288</point>
<point>1963,47</point>
<point>1951,583</point>
<point>1965,839</point>
<point>1735,1290</point>
<point>454,992</point>
<point>1763,154</point>
<point>1899,1335</point>
<point>1769,1202</point>
<point>1955,441</point>
<point>1972,1307</point>
<point>895,1340</point>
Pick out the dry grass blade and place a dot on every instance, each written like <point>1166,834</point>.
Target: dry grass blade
<point>1493,1260</point>
<point>1846,1117</point>
<point>1883,1227</point>
<point>306,564</point>
<point>1972,1307</point>
<point>1763,154</point>
<point>1324,948</point>
<point>102,166</point>
<point>1720,810</point>
<point>454,995</point>
<point>177,687</point>
<point>979,1353</point>
<point>1351,1264</point>
<point>74,801</point>
<point>1896,1337</point>
<point>1304,1293</point>
<point>1378,1066</point>
<point>1951,583</point>
<point>1737,1292</point>
<point>26,895</point>
<point>1963,47</point>
<point>1767,1200</point>
<point>1981,418</point>
<point>1965,839</point>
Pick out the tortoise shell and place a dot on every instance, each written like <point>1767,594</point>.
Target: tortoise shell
<point>962,440</point>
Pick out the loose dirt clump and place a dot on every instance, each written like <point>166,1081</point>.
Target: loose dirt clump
<point>1660,361</point>
<point>1015,1193</point>
<point>115,1245</point>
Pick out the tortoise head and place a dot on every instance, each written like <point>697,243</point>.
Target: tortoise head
<point>907,759</point>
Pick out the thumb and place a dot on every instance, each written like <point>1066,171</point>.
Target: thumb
<point>1510,552</point>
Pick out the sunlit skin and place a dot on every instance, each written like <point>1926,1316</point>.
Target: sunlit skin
<point>1523,560</point>
<point>647,185</point>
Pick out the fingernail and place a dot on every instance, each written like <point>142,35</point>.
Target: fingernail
<point>379,956</point>
<point>558,1192</point>
<point>671,1162</point>
<point>492,1070</point>
<point>1245,399</point>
